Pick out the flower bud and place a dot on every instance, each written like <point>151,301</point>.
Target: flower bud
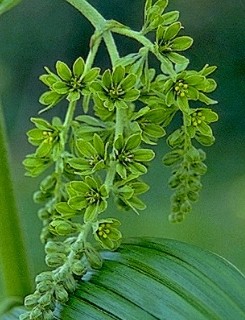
<point>31,300</point>
<point>61,294</point>
<point>93,256</point>
<point>78,268</point>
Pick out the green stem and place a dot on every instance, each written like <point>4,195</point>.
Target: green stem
<point>59,166</point>
<point>111,47</point>
<point>136,36</point>
<point>99,22</point>
<point>13,257</point>
<point>95,18</point>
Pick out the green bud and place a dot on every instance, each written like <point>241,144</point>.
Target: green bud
<point>44,276</point>
<point>55,259</point>
<point>48,184</point>
<point>62,227</point>
<point>43,214</point>
<point>54,247</point>
<point>40,196</point>
<point>93,256</point>
<point>61,294</point>
<point>44,286</point>
<point>36,314</point>
<point>69,283</point>
<point>45,300</point>
<point>78,268</point>
<point>172,157</point>
<point>31,300</point>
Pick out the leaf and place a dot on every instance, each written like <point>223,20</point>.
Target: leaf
<point>6,5</point>
<point>151,278</point>
<point>184,282</point>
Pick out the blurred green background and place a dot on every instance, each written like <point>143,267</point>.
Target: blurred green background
<point>37,33</point>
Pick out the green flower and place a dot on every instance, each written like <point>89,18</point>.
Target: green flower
<point>168,43</point>
<point>199,120</point>
<point>130,158</point>
<point>63,227</point>
<point>107,234</point>
<point>148,122</point>
<point>35,166</point>
<point>116,88</point>
<point>91,158</point>
<point>46,137</point>
<point>88,195</point>
<point>127,192</point>
<point>69,84</point>
<point>189,85</point>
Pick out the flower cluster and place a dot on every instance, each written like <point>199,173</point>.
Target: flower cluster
<point>99,152</point>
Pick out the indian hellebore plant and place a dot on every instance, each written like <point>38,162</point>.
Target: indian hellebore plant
<point>103,146</point>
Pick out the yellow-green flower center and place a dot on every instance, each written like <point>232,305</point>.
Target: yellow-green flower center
<point>181,88</point>
<point>197,118</point>
<point>48,136</point>
<point>104,230</point>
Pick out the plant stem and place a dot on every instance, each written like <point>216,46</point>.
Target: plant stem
<point>13,257</point>
<point>136,36</point>
<point>59,166</point>
<point>88,11</point>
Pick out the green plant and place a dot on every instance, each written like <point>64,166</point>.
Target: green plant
<point>102,148</point>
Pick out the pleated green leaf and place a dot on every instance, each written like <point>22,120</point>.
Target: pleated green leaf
<point>154,278</point>
<point>160,279</point>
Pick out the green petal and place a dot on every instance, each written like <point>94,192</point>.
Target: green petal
<point>170,17</point>
<point>205,129</point>
<point>35,134</point>
<point>181,43</point>
<point>107,78</point>
<point>99,145</point>
<point>131,95</point>
<point>92,183</point>
<point>154,130</point>
<point>41,124</point>
<point>79,186</point>
<point>172,31</point>
<point>170,98</point>
<point>177,58</point>
<point>63,71</point>
<point>137,168</point>
<point>49,98</point>
<point>206,99</point>
<point>78,67</point>
<point>60,87</point>
<point>128,82</point>
<point>44,149</point>
<point>86,148</point>
<point>73,96</point>
<point>210,116</point>
<point>90,213</point>
<point>77,203</point>
<point>118,74</point>
<point>121,170</point>
<point>143,155</point>
<point>193,93</point>
<point>91,75</point>
<point>183,104</point>
<point>194,79</point>
<point>65,210</point>
<point>133,142</point>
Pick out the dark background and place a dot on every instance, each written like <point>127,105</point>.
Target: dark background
<point>37,33</point>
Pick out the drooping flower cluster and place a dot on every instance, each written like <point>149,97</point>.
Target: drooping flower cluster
<point>102,153</point>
